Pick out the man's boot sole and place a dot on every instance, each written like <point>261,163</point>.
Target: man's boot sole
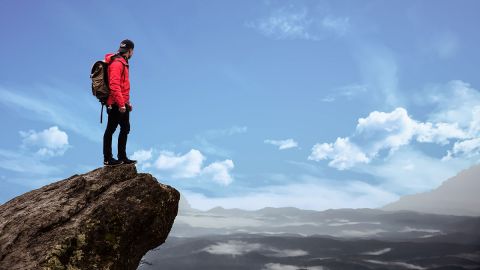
<point>112,165</point>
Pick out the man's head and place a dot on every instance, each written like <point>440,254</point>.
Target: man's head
<point>126,48</point>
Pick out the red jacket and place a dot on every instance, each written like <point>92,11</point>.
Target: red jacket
<point>119,81</point>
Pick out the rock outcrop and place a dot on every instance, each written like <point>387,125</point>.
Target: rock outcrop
<point>104,219</point>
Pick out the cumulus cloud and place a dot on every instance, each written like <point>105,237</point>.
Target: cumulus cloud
<point>50,142</point>
<point>467,148</point>
<point>143,157</point>
<point>238,248</point>
<point>384,131</point>
<point>283,144</point>
<point>182,166</point>
<point>191,165</point>
<point>30,158</point>
<point>342,152</point>
<point>220,171</point>
<point>439,132</point>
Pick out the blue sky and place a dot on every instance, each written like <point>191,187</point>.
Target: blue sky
<point>248,104</point>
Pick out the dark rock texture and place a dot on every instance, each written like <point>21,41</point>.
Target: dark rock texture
<point>105,219</point>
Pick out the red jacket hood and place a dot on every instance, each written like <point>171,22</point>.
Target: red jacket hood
<point>108,58</point>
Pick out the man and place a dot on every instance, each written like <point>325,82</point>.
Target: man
<point>118,104</point>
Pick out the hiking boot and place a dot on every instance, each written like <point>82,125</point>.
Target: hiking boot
<point>127,161</point>
<point>112,162</point>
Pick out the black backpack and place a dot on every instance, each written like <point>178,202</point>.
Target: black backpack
<point>100,82</point>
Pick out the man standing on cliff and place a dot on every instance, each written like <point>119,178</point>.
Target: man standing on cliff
<point>118,104</point>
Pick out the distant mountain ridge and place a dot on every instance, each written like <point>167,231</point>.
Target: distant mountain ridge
<point>457,196</point>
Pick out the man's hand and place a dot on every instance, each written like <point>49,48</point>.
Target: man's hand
<point>130,107</point>
<point>122,109</point>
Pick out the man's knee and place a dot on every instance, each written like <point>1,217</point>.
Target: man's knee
<point>125,129</point>
<point>110,130</point>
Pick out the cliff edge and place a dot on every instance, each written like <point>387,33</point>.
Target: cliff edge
<point>107,218</point>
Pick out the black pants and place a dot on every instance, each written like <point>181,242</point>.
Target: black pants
<point>115,118</point>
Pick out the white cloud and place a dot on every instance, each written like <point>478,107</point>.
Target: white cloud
<point>286,23</point>
<point>411,171</point>
<point>31,167</point>
<point>383,131</point>
<point>401,264</point>
<point>283,144</point>
<point>343,154</point>
<point>358,233</point>
<point>291,22</point>
<point>439,132</point>
<point>378,252</point>
<point>347,91</point>
<point>467,148</point>
<point>410,229</point>
<point>142,155</point>
<point>190,165</point>
<point>233,247</point>
<point>181,166</point>
<point>388,130</point>
<point>278,266</point>
<point>282,253</point>
<point>453,102</point>
<point>220,171</point>
<point>51,141</point>
<point>379,69</point>
<point>238,248</point>
<point>143,158</point>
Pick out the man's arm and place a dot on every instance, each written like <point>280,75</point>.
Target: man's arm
<point>115,76</point>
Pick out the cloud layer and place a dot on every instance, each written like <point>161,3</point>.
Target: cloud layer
<point>389,131</point>
<point>187,166</point>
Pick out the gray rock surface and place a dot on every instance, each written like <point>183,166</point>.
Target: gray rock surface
<point>104,219</point>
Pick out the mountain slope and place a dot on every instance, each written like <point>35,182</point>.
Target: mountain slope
<point>459,195</point>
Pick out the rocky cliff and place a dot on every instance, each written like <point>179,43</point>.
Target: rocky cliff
<point>104,219</point>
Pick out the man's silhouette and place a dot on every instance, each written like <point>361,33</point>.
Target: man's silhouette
<point>118,104</point>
